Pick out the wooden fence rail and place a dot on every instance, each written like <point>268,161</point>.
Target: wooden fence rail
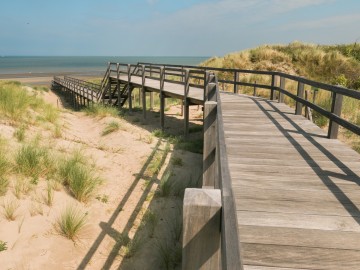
<point>232,77</point>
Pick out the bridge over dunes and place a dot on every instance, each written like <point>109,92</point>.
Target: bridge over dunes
<point>278,191</point>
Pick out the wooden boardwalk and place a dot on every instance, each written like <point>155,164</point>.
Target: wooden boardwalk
<point>297,192</point>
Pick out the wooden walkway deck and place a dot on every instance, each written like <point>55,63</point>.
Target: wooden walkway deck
<point>297,192</point>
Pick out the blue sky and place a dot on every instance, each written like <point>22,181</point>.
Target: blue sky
<point>170,27</point>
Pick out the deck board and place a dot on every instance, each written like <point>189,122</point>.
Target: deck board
<point>297,193</point>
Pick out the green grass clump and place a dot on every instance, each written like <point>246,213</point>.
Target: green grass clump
<point>33,160</point>
<point>49,196</point>
<point>5,167</point>
<point>194,146</point>
<point>101,111</point>
<point>130,246</point>
<point>16,102</point>
<point>41,88</point>
<point>19,133</point>
<point>149,221</point>
<point>10,207</point>
<point>70,222</point>
<point>165,185</point>
<point>50,113</point>
<point>82,184</point>
<point>110,127</point>
<point>3,245</point>
<point>78,176</point>
<point>177,161</point>
<point>4,183</point>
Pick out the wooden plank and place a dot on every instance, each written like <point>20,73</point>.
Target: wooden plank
<point>311,207</point>
<point>300,221</point>
<point>300,237</point>
<point>301,257</point>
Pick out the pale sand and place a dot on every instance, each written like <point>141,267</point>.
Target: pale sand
<point>32,241</point>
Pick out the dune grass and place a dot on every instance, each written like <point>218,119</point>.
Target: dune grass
<point>16,102</point>
<point>33,160</point>
<point>70,222</point>
<point>5,167</point>
<point>4,183</point>
<point>19,133</point>
<point>10,206</point>
<point>165,185</point>
<point>101,111</point>
<point>130,246</point>
<point>334,64</point>
<point>110,127</point>
<point>78,176</point>
<point>3,246</point>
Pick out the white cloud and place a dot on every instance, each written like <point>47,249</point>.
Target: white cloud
<point>333,21</point>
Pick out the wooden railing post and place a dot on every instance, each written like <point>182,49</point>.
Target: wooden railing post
<point>143,74</point>
<point>186,103</point>
<point>300,94</point>
<point>209,151</point>
<point>274,81</point>
<point>255,90</point>
<point>129,87</point>
<point>118,84</point>
<point>336,106</point>
<point>210,88</point>
<point>282,86</point>
<point>201,229</point>
<point>236,79</point>
<point>162,99</point>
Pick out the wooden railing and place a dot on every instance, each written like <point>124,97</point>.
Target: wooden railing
<point>80,91</point>
<point>277,87</point>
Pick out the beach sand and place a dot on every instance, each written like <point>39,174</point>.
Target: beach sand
<point>44,79</point>
<point>119,158</point>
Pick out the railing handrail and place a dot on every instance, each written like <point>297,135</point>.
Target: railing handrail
<point>335,90</point>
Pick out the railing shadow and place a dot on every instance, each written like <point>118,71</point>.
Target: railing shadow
<point>324,175</point>
<point>107,227</point>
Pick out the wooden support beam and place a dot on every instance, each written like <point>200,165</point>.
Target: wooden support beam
<point>255,90</point>
<point>236,79</point>
<point>143,91</point>
<point>308,113</point>
<point>162,100</point>
<point>186,104</point>
<point>274,83</point>
<point>300,94</point>
<point>336,106</point>
<point>201,229</point>
<point>282,86</point>
<point>118,85</point>
<point>129,87</point>
<point>209,152</point>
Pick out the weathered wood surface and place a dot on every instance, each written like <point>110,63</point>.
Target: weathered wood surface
<point>196,95</point>
<point>297,192</point>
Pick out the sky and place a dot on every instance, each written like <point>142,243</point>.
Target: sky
<point>170,27</point>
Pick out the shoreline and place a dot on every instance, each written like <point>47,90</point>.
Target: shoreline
<point>46,78</point>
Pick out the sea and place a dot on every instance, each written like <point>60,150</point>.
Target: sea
<point>87,65</point>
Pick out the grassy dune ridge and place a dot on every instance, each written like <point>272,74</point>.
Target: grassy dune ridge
<point>332,64</point>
